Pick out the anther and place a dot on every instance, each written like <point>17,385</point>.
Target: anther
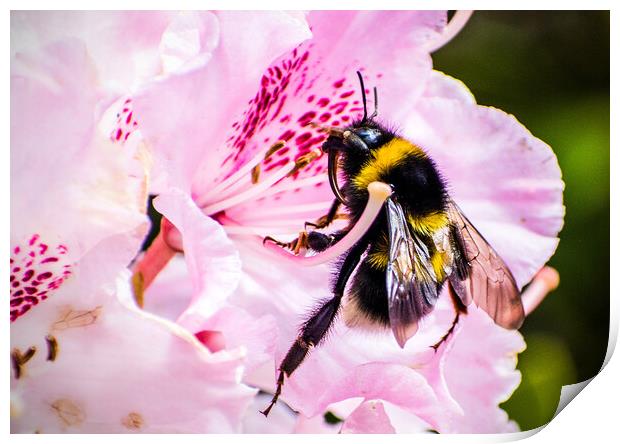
<point>18,360</point>
<point>52,347</point>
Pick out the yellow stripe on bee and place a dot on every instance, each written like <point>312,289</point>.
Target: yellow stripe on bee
<point>378,259</point>
<point>438,262</point>
<point>384,159</point>
<point>378,256</point>
<point>428,224</point>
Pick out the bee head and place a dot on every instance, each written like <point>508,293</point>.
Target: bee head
<point>356,141</point>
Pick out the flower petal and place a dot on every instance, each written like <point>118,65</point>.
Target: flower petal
<point>369,417</point>
<point>190,112</point>
<point>106,375</point>
<point>59,160</point>
<point>212,260</point>
<point>480,372</point>
<point>123,45</point>
<point>189,41</point>
<point>506,181</point>
<point>281,419</point>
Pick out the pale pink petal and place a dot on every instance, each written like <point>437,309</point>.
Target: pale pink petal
<point>71,186</point>
<point>441,85</point>
<point>389,382</point>
<point>281,419</point>
<point>188,42</point>
<point>171,293</point>
<point>506,181</point>
<point>369,417</point>
<point>212,260</point>
<point>59,160</point>
<point>404,421</point>
<point>315,425</point>
<point>124,45</point>
<point>170,296</point>
<point>117,368</point>
<point>239,329</point>
<point>480,372</point>
<point>191,112</point>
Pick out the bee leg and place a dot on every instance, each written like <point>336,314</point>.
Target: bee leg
<point>321,241</point>
<point>313,331</point>
<point>327,219</point>
<point>295,245</point>
<point>459,308</point>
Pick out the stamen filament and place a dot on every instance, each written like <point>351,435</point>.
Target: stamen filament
<point>236,176</point>
<point>244,230</point>
<point>301,183</point>
<point>255,191</point>
<point>378,192</point>
<point>287,209</point>
<point>545,281</point>
<point>455,25</point>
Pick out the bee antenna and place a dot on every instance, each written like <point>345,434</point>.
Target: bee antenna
<point>359,74</point>
<point>376,111</point>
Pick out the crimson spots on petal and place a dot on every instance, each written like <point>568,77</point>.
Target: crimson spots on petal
<point>294,93</point>
<point>287,135</point>
<point>324,117</point>
<point>45,275</point>
<point>49,259</point>
<point>303,138</point>
<point>306,118</point>
<point>38,276</point>
<point>125,122</point>
<point>27,275</point>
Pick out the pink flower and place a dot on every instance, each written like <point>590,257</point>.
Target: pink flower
<point>84,358</point>
<point>216,143</point>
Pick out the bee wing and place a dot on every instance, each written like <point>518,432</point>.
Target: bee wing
<point>410,278</point>
<point>481,275</point>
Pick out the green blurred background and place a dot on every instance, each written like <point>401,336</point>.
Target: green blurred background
<point>551,70</point>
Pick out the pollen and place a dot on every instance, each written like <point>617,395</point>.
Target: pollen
<point>384,159</point>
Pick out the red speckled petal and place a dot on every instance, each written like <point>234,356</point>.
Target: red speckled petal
<point>185,116</point>
<point>317,82</point>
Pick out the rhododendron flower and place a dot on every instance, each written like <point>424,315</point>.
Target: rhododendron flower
<point>83,357</point>
<point>238,140</point>
<point>232,124</point>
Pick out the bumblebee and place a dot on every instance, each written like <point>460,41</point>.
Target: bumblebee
<point>419,243</point>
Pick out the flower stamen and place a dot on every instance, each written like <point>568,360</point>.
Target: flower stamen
<point>545,281</point>
<point>251,193</point>
<point>228,184</point>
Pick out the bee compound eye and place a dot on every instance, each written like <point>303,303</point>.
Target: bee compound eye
<point>370,136</point>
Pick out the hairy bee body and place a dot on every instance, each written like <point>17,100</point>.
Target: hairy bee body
<point>421,192</point>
